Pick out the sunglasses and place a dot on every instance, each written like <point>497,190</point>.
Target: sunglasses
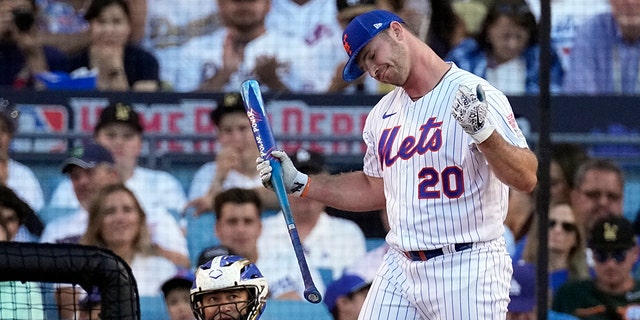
<point>604,256</point>
<point>566,226</point>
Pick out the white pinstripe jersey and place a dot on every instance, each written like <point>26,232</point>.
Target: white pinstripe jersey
<point>438,186</point>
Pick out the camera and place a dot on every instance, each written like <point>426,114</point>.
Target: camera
<point>23,19</point>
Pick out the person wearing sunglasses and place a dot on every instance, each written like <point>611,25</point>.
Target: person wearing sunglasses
<point>612,293</point>
<point>566,243</point>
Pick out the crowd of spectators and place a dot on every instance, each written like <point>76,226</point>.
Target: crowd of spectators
<point>294,45</point>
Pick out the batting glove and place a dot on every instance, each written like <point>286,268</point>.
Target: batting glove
<point>470,109</point>
<point>295,182</point>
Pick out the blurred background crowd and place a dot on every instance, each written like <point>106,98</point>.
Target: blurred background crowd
<point>105,197</point>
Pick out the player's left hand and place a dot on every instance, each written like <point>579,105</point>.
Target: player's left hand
<point>470,109</point>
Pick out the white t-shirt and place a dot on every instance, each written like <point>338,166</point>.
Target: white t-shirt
<point>203,177</point>
<point>367,266</point>
<point>151,272</point>
<point>281,270</point>
<point>163,228</point>
<point>153,188</point>
<point>202,57</point>
<point>24,183</point>
<point>316,26</point>
<point>167,21</point>
<point>509,77</point>
<point>333,244</point>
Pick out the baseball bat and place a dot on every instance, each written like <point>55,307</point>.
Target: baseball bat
<point>263,135</point>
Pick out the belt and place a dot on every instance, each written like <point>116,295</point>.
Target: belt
<point>430,254</point>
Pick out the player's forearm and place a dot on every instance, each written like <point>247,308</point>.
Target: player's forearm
<point>353,191</point>
<point>514,166</point>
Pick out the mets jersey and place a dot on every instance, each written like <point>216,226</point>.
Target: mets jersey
<point>438,186</point>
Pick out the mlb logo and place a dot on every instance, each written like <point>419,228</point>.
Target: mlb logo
<point>41,119</point>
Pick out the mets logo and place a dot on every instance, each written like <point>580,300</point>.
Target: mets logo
<point>346,45</point>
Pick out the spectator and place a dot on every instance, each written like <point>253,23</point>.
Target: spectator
<point>238,226</point>
<point>166,32</point>
<point>238,223</point>
<point>120,131</point>
<point>176,295</point>
<point>446,28</point>
<point>565,160</point>
<point>312,26</point>
<point>414,13</point>
<point>234,166</point>
<point>22,54</point>
<point>612,293</point>
<point>211,252</point>
<point>121,66</point>
<point>520,213</point>
<point>330,243</point>
<point>240,292</point>
<point>19,177</point>
<point>506,52</point>
<point>91,168</point>
<point>367,265</point>
<point>90,306</point>
<point>166,29</point>
<point>63,25</point>
<point>566,244</point>
<point>345,296</point>
<point>118,222</point>
<point>523,304</point>
<point>20,220</point>
<point>347,10</point>
<point>606,53</point>
<point>245,49</point>
<point>19,300</point>
<point>566,18</point>
<point>598,191</point>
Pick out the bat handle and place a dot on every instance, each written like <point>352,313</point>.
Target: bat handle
<point>311,293</point>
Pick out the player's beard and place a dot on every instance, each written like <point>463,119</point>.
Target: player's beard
<point>397,71</point>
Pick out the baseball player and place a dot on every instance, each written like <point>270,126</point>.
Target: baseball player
<point>442,150</point>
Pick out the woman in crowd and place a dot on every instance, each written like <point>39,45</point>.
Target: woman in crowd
<point>506,50</point>
<point>567,254</point>
<point>121,65</point>
<point>118,223</point>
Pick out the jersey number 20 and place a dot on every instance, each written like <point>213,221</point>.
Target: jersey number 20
<point>450,181</point>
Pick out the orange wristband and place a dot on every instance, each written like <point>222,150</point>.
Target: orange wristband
<point>306,188</point>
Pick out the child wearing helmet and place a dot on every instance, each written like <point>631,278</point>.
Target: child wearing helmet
<point>228,287</point>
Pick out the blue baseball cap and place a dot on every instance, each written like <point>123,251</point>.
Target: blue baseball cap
<point>87,157</point>
<point>343,286</point>
<point>523,287</point>
<point>358,33</point>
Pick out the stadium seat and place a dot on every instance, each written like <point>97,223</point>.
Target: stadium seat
<point>295,310</point>
<point>153,308</point>
<point>200,234</point>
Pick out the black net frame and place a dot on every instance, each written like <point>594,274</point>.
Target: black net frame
<point>87,266</point>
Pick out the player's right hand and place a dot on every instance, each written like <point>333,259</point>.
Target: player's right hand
<point>471,110</point>
<point>295,182</point>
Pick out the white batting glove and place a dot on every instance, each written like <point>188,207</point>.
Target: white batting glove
<point>470,109</point>
<point>295,182</point>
